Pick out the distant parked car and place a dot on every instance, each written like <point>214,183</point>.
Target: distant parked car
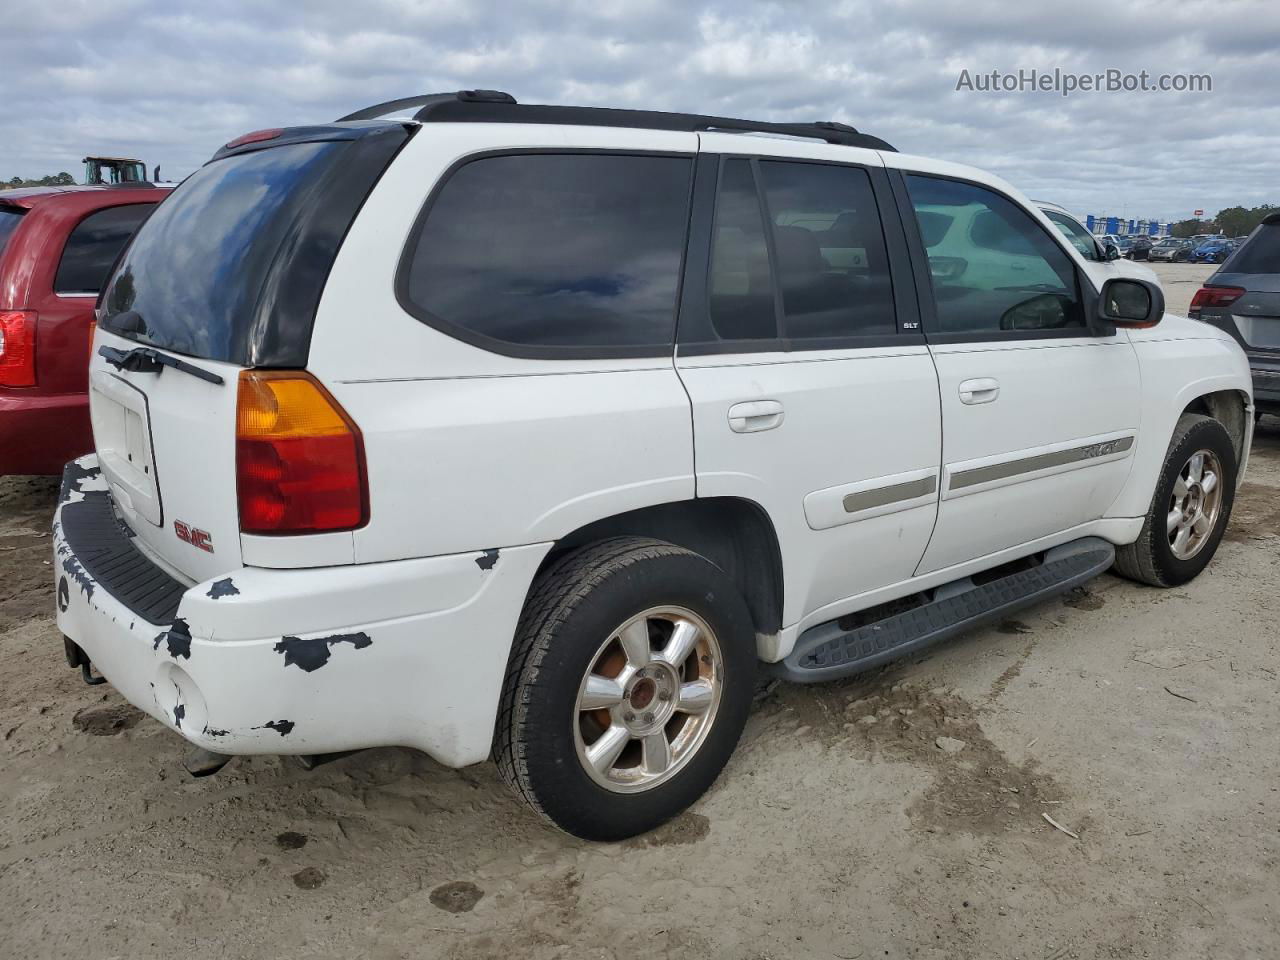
<point>1242,297</point>
<point>1139,248</point>
<point>1171,249</point>
<point>1212,251</point>
<point>57,245</point>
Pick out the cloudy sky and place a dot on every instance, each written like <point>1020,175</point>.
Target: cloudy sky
<point>169,80</point>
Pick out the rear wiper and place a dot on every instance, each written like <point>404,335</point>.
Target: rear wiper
<point>146,360</point>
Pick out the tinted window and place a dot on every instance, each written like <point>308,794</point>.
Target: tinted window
<point>10,217</point>
<point>1080,238</point>
<point>192,280</point>
<point>742,304</point>
<point>994,269</point>
<point>830,254</point>
<point>94,245</point>
<point>1260,253</point>
<point>556,250</point>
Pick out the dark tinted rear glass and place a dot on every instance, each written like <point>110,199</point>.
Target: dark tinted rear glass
<point>191,280</point>
<point>554,251</point>
<point>830,252</point>
<point>10,217</point>
<point>1260,253</point>
<point>94,245</point>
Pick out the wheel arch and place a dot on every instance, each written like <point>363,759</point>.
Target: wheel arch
<point>1231,408</point>
<point>1219,395</point>
<point>735,534</point>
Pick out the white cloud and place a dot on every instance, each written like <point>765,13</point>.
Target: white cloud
<point>171,81</point>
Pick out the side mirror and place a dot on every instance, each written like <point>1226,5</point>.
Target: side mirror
<point>1111,251</point>
<point>1131,303</point>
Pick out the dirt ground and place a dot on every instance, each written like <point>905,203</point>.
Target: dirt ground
<point>1146,722</point>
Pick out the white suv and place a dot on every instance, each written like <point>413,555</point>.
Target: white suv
<point>524,431</point>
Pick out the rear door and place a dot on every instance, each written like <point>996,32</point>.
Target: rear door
<point>1039,413</point>
<point>813,392</point>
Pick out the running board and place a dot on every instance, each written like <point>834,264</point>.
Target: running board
<point>828,652</point>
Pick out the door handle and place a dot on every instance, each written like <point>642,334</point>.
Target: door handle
<point>983,390</point>
<point>755,415</point>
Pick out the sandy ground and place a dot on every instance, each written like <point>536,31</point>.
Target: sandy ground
<point>1144,721</point>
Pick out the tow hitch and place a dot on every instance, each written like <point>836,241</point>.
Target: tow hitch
<point>77,658</point>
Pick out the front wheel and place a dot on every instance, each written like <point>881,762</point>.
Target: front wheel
<point>1190,509</point>
<point>630,682</point>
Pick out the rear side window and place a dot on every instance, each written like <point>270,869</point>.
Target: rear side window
<point>829,251</point>
<point>534,253</point>
<point>94,245</point>
<point>741,284</point>
<point>1260,253</point>
<point>10,217</point>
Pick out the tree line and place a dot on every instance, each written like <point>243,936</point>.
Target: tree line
<point>53,180</point>
<point>1231,222</point>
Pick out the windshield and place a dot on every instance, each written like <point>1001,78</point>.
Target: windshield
<point>1080,238</point>
<point>10,217</point>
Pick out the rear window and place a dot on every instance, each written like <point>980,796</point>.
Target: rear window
<point>190,281</point>
<point>10,217</point>
<point>94,245</point>
<point>553,252</point>
<point>1260,253</point>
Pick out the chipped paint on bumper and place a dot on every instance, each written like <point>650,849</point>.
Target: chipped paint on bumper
<point>406,653</point>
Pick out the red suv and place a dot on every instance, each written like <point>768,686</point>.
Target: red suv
<point>57,245</point>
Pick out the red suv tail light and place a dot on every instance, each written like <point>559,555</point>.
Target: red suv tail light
<point>1210,296</point>
<point>299,457</point>
<point>17,348</point>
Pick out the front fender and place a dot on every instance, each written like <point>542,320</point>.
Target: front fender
<point>1176,370</point>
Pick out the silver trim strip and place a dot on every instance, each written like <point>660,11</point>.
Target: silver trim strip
<point>1041,461</point>
<point>882,496</point>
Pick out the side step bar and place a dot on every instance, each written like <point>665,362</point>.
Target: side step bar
<point>828,652</point>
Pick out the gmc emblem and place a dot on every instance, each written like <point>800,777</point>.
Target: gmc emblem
<point>197,538</point>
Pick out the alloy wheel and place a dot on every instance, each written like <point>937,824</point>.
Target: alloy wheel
<point>1195,504</point>
<point>648,699</point>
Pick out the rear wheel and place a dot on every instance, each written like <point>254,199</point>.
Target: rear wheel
<point>1190,509</point>
<point>629,685</point>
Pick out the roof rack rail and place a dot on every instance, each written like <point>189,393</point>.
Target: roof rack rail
<point>494,106</point>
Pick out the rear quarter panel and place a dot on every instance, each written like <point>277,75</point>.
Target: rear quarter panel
<point>468,449</point>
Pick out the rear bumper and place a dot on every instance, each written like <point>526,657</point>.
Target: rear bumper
<point>39,433</point>
<point>1266,384</point>
<point>410,653</point>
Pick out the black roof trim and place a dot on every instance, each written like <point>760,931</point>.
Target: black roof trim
<point>494,106</point>
<point>1271,219</point>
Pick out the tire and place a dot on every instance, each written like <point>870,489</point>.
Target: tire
<point>1152,558</point>
<point>572,627</point>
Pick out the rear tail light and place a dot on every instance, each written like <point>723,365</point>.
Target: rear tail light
<point>299,457</point>
<point>1210,296</point>
<point>17,348</point>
